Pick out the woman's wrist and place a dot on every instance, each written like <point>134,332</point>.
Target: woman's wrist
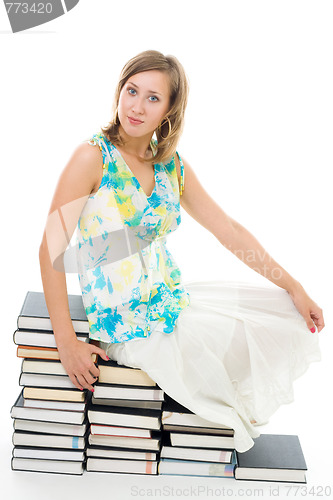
<point>66,339</point>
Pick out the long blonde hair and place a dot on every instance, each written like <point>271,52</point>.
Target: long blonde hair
<point>167,134</point>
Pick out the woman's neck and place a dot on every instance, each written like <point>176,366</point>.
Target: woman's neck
<point>136,146</point>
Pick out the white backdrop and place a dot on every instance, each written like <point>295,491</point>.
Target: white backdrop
<point>258,134</point>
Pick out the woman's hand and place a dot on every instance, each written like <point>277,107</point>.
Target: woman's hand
<point>75,357</point>
<point>310,311</point>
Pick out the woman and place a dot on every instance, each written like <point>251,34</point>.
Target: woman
<point>227,351</point>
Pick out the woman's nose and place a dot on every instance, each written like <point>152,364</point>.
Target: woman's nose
<point>138,106</point>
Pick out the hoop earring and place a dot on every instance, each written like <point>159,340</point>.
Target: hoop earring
<point>170,128</point>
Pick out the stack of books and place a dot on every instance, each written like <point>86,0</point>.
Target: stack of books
<point>193,446</point>
<point>125,421</point>
<point>50,413</point>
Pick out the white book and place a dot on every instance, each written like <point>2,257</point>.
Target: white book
<point>189,419</point>
<point>126,466</point>
<point>54,405</point>
<point>39,366</point>
<point>39,339</point>
<point>198,454</point>
<point>121,392</point>
<point>125,442</point>
<point>50,427</point>
<point>48,441</point>
<point>55,466</point>
<point>48,454</point>
<point>201,441</point>
<point>112,430</point>
<point>38,380</point>
<point>62,416</point>
<point>191,468</point>
<point>118,453</point>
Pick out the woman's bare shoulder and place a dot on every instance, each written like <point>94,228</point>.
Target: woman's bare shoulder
<point>86,165</point>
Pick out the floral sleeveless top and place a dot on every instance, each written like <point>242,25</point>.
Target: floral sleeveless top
<point>130,282</point>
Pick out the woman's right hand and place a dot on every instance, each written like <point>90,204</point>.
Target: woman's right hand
<point>76,358</point>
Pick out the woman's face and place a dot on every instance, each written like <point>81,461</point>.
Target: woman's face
<point>143,103</point>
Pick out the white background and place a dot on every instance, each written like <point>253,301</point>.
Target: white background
<point>259,136</point>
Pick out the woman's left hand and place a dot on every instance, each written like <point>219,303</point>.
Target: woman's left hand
<point>310,311</point>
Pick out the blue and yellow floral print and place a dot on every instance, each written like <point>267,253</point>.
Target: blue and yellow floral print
<point>130,282</point>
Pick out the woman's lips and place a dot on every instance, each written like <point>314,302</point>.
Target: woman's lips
<point>133,121</point>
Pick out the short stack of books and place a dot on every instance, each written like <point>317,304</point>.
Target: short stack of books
<point>125,421</point>
<point>50,414</point>
<point>193,446</point>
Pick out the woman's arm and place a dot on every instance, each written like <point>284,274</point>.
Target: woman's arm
<point>79,178</point>
<point>236,238</point>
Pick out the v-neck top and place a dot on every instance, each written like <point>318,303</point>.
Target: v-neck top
<point>130,282</point>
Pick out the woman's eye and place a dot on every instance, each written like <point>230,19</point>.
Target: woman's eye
<point>131,91</point>
<point>153,98</point>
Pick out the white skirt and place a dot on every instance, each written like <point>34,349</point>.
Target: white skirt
<point>233,355</point>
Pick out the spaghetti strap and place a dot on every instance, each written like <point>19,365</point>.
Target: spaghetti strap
<point>98,141</point>
<point>182,175</point>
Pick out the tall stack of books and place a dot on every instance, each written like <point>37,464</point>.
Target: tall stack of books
<point>50,413</point>
<point>193,446</point>
<point>125,421</point>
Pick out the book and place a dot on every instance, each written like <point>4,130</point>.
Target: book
<point>54,466</point>
<point>28,351</point>
<point>112,430</point>
<point>62,416</point>
<point>132,403</point>
<point>127,392</point>
<point>34,313</point>
<point>121,466</point>
<point>109,452</point>
<point>274,457</point>
<point>110,372</point>
<point>179,418</point>
<point>22,438</point>
<point>48,367</point>
<point>54,394</point>
<point>48,453</point>
<point>197,454</point>
<point>50,427</point>
<point>201,440</point>
<point>152,443</point>
<point>54,405</point>
<point>128,417</point>
<point>39,338</point>
<point>41,380</point>
<point>192,468</point>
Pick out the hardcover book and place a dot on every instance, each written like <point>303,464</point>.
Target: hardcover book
<point>274,457</point>
<point>34,313</point>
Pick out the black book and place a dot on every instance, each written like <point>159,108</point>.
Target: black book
<point>273,457</point>
<point>34,313</point>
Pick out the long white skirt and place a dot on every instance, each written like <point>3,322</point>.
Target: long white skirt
<point>233,355</point>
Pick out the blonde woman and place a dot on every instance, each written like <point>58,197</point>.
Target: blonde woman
<point>227,351</point>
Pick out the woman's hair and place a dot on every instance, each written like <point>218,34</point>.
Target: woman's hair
<point>167,134</point>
